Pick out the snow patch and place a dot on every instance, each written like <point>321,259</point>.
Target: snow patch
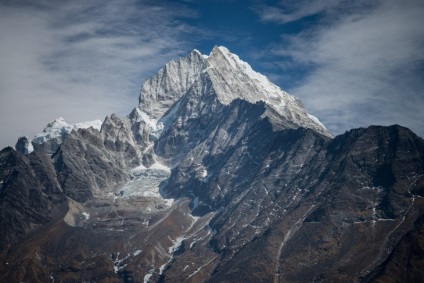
<point>162,268</point>
<point>147,277</point>
<point>29,148</point>
<point>136,253</point>
<point>177,244</point>
<point>204,173</point>
<point>86,215</point>
<point>172,249</point>
<point>200,171</point>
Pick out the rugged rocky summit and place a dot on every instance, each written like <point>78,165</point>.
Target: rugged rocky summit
<point>56,131</point>
<point>217,175</point>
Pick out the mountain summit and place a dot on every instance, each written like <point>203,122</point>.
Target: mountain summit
<point>216,176</point>
<point>228,78</point>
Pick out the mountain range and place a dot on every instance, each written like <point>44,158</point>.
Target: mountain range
<point>217,175</point>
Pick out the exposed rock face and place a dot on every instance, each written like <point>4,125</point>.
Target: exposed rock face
<point>256,190</point>
<point>83,165</point>
<point>354,205</point>
<point>118,138</point>
<point>161,91</point>
<point>30,195</point>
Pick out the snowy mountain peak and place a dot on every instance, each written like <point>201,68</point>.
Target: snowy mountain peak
<point>56,123</point>
<point>59,127</point>
<point>266,86</point>
<point>161,91</point>
<point>239,76</point>
<point>198,53</point>
<point>231,79</point>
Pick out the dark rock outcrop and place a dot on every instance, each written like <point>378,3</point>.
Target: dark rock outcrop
<point>30,195</point>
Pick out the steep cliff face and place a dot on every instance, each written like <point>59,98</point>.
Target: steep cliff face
<point>161,91</point>
<point>216,176</point>
<point>83,165</point>
<point>30,195</point>
<point>357,206</point>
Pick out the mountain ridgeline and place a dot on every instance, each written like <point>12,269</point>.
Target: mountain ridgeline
<point>217,175</point>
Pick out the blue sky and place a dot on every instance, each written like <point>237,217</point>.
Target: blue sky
<point>352,63</point>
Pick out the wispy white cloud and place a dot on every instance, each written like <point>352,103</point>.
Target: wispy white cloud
<point>81,59</point>
<point>366,65</point>
<point>292,10</point>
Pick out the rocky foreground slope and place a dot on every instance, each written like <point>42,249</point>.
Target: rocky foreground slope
<point>216,176</point>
